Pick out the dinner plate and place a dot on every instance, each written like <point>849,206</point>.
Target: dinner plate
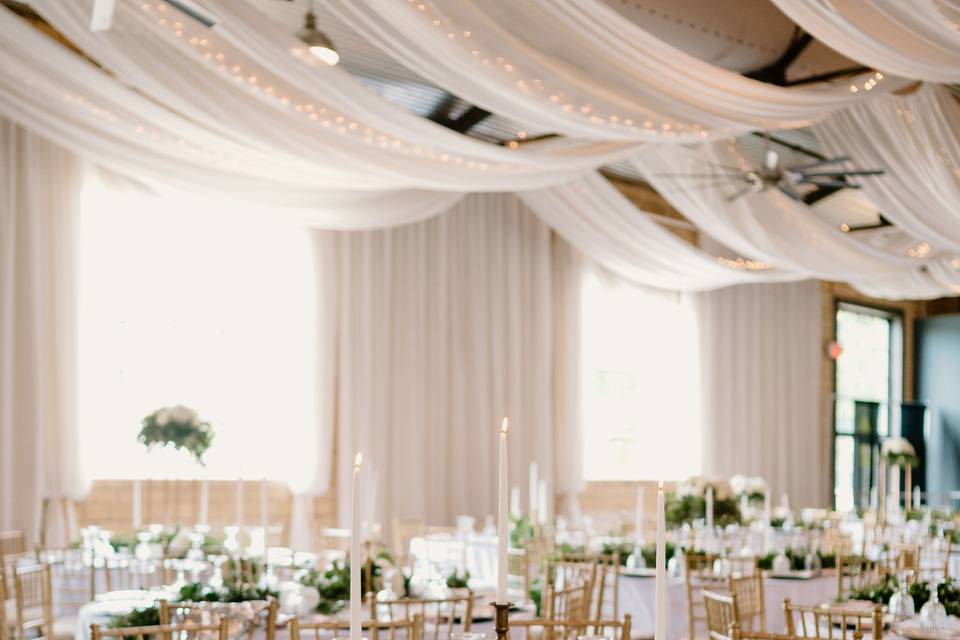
<point>638,572</point>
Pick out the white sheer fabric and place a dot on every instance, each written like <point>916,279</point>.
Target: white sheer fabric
<point>579,68</point>
<point>443,328</point>
<point>918,39</point>
<point>39,201</point>
<point>915,139</point>
<point>760,386</point>
<point>771,227</point>
<point>595,217</point>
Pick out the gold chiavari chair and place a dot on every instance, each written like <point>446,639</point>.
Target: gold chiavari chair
<point>439,617</point>
<point>837,542</point>
<point>333,630</point>
<point>829,622</point>
<point>721,612</point>
<point>33,598</point>
<point>751,606</point>
<point>13,543</point>
<point>129,573</point>
<point>183,631</point>
<point>699,575</point>
<point>539,629</point>
<point>75,578</point>
<point>217,612</point>
<point>606,581</point>
<point>571,602</point>
<point>561,574</point>
<point>904,557</point>
<point>736,634</point>
<point>933,561</point>
<point>520,570</point>
<point>854,573</point>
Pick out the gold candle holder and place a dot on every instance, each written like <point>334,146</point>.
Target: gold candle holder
<point>502,624</point>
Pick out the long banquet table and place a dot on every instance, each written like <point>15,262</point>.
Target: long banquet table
<point>636,597</point>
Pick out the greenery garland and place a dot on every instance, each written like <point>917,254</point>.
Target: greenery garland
<point>333,585</point>
<point>178,426</point>
<point>948,593</point>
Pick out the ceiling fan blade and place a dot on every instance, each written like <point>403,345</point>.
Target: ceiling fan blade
<point>736,170</point>
<point>826,182</point>
<point>821,163</point>
<point>787,190</point>
<point>742,190</point>
<point>852,172</point>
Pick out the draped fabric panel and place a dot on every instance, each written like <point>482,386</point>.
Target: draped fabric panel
<point>579,68</point>
<point>915,139</point>
<point>591,214</point>
<point>39,203</point>
<point>444,327</point>
<point>760,386</point>
<point>918,39</point>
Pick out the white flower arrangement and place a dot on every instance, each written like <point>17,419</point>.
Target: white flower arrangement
<point>899,451</point>
<point>179,426</point>
<point>755,487</point>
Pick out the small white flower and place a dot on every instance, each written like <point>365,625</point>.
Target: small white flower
<point>756,485</point>
<point>738,484</point>
<point>897,447</point>
<point>161,418</point>
<point>181,413</point>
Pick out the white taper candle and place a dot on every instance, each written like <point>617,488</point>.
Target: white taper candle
<point>709,507</point>
<point>660,605</point>
<point>137,505</point>
<point>355,509</point>
<point>503,522</point>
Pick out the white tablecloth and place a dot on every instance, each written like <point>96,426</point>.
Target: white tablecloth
<point>637,599</point>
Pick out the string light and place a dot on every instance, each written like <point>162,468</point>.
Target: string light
<point>743,264</point>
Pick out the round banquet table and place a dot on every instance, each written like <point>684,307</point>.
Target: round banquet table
<point>637,599</point>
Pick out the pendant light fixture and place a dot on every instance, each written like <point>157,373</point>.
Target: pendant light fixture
<point>318,42</point>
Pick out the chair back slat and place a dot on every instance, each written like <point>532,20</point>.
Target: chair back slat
<point>832,622</point>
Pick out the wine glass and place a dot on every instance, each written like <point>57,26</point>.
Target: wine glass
<point>933,615</point>
<point>901,603</point>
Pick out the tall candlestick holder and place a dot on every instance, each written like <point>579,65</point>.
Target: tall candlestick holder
<point>502,620</point>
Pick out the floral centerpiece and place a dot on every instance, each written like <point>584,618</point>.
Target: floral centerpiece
<point>899,451</point>
<point>755,489</point>
<point>689,503</point>
<point>179,426</point>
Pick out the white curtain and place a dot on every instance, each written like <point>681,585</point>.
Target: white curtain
<point>444,327</point>
<point>916,39</point>
<point>760,386</point>
<point>39,202</point>
<point>915,139</point>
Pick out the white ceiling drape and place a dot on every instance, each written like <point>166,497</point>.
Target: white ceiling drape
<point>237,112</point>
<point>915,139</point>
<point>916,39</point>
<point>592,215</point>
<point>579,68</point>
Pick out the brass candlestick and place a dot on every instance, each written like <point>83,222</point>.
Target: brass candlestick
<point>502,624</point>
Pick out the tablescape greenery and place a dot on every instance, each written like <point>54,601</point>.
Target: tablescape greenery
<point>180,427</point>
<point>687,508</point>
<point>536,595</point>
<point>139,617</point>
<point>797,560</point>
<point>521,529</point>
<point>233,592</point>
<point>458,580</point>
<point>948,592</point>
<point>333,584</point>
<point>900,452</point>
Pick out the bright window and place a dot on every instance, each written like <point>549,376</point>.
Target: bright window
<point>867,389</point>
<point>184,301</point>
<point>640,383</point>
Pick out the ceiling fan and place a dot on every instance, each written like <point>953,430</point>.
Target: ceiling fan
<point>825,174</point>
